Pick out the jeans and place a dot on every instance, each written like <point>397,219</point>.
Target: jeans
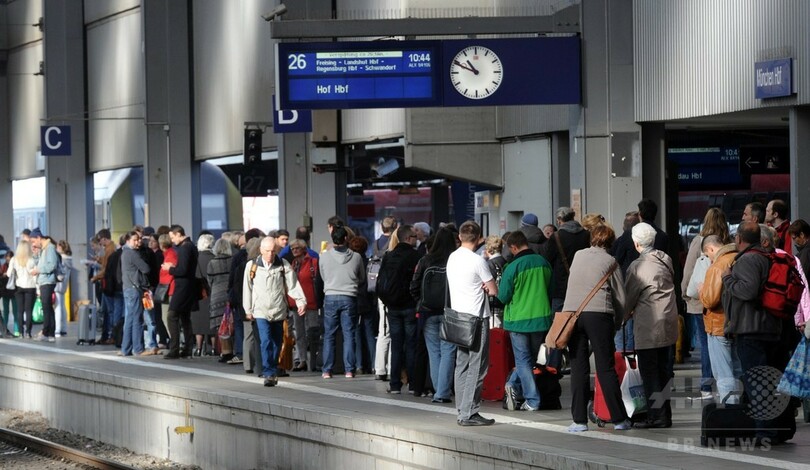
<point>271,334</point>
<point>402,324</point>
<point>699,332</point>
<point>442,358</point>
<point>151,328</point>
<point>364,339</point>
<point>525,346</point>
<point>48,313</point>
<point>132,342</point>
<point>113,313</point>
<point>725,367</point>
<point>339,311</point>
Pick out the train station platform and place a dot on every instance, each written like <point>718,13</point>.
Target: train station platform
<point>227,419</point>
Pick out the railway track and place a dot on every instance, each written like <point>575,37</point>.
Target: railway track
<point>28,450</point>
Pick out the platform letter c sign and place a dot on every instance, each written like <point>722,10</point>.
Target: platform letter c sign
<point>55,140</point>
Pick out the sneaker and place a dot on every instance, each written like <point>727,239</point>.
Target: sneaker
<point>51,339</point>
<point>270,381</point>
<point>326,375</point>
<point>576,427</point>
<point>476,420</point>
<point>393,391</point>
<point>235,360</point>
<point>42,338</point>
<point>625,425</point>
<point>349,375</point>
<point>526,407</point>
<point>58,335</point>
<point>706,395</point>
<point>510,398</point>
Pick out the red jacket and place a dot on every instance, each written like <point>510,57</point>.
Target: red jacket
<point>785,242</point>
<point>169,256</point>
<point>307,270</point>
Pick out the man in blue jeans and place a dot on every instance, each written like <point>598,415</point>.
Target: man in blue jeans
<point>525,291</point>
<point>343,273</point>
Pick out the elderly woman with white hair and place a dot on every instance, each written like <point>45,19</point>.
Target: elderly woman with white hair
<point>651,302</point>
<point>200,319</point>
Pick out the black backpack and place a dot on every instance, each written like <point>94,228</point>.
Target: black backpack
<point>372,272</point>
<point>392,287</point>
<point>434,287</point>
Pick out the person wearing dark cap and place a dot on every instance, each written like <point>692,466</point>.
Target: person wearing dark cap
<point>528,225</point>
<point>45,271</point>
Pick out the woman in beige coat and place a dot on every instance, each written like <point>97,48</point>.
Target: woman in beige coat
<point>650,290</point>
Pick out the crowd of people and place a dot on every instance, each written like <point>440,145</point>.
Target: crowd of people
<point>287,303</point>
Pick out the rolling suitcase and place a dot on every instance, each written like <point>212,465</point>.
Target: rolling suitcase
<point>501,363</point>
<point>88,316</point>
<point>600,414</point>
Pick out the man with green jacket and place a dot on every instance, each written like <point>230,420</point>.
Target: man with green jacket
<point>525,291</point>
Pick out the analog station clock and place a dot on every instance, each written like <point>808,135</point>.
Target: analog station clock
<point>476,72</point>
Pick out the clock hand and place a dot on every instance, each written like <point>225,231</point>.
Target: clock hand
<point>465,67</point>
<point>472,68</point>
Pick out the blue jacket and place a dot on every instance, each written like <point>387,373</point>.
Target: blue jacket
<point>46,264</point>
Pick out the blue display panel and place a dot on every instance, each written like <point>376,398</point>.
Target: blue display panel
<point>708,167</point>
<point>406,74</point>
<point>358,75</point>
<point>533,71</point>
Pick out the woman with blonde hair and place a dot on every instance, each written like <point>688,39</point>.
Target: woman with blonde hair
<point>592,220</point>
<point>20,267</point>
<point>694,273</point>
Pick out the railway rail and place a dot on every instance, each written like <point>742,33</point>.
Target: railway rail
<point>42,448</point>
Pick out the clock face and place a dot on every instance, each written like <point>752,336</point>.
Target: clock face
<point>476,72</point>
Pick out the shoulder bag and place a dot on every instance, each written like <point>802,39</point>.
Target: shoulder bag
<point>563,325</point>
<point>461,329</point>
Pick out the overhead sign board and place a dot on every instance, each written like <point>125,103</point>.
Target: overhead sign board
<point>54,140</point>
<point>707,167</point>
<point>764,160</point>
<point>404,74</point>
<point>773,78</point>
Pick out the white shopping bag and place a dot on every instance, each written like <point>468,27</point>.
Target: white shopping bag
<point>635,401</point>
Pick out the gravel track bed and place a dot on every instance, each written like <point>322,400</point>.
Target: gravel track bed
<point>36,425</point>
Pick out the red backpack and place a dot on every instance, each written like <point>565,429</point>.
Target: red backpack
<point>783,290</point>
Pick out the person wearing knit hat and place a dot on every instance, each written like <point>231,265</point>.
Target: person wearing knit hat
<point>535,237</point>
<point>528,219</point>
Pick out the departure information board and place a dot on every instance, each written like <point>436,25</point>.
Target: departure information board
<point>368,74</point>
<point>408,74</point>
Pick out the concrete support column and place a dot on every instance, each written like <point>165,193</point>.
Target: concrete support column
<point>560,171</point>
<point>171,178</point>
<point>653,168</point>
<point>69,195</point>
<point>799,163</point>
<point>302,192</point>
<point>605,156</point>
<point>6,196</point>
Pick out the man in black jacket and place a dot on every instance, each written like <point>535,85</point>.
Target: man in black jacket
<point>393,288</point>
<point>756,332</point>
<point>185,297</point>
<point>560,250</point>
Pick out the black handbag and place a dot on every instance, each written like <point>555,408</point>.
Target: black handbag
<point>162,293</point>
<point>459,328</point>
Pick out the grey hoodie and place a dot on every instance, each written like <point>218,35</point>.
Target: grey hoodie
<point>342,271</point>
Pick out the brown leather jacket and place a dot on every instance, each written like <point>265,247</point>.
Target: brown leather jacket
<point>712,291</point>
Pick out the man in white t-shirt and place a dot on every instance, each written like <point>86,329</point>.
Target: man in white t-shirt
<point>470,282</point>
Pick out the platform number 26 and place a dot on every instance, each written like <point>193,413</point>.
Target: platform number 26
<point>297,61</point>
